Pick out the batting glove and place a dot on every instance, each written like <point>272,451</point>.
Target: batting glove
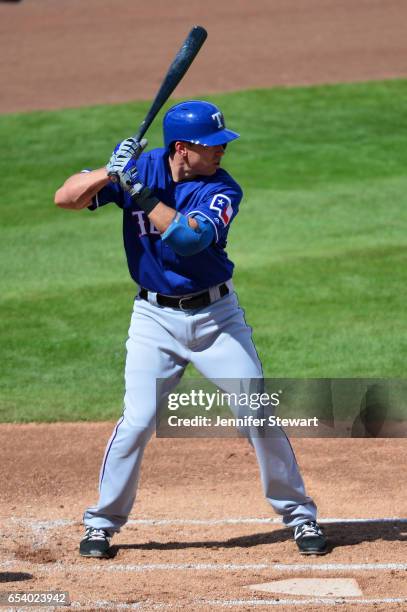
<point>120,162</point>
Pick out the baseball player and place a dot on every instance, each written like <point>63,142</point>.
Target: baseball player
<point>178,205</point>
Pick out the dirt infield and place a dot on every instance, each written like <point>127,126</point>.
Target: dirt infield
<point>72,52</point>
<point>200,532</point>
<point>202,538</point>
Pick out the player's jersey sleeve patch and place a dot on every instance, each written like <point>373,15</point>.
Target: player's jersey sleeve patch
<point>223,206</point>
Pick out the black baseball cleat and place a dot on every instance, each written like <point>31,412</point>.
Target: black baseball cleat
<point>96,543</point>
<point>310,539</point>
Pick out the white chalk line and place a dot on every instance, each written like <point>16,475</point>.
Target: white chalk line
<point>301,602</point>
<point>43,525</point>
<point>104,566</point>
<point>340,601</point>
<point>107,605</point>
<point>114,605</point>
<point>39,525</point>
<point>260,521</point>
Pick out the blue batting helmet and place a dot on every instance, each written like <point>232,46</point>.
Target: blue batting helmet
<point>197,122</point>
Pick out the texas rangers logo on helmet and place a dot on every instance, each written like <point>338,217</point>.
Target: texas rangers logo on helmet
<point>223,205</point>
<point>218,117</point>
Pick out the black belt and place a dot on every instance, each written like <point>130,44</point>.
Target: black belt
<point>185,303</point>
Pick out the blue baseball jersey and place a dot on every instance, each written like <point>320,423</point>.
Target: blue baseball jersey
<point>152,263</point>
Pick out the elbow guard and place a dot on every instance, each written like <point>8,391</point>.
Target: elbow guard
<point>185,240</point>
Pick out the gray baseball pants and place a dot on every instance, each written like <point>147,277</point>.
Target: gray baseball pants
<point>161,343</point>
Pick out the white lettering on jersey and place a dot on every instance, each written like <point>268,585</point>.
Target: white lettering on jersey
<point>223,205</point>
<point>142,224</point>
<point>218,117</point>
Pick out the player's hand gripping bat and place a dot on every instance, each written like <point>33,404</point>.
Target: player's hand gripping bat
<point>176,71</point>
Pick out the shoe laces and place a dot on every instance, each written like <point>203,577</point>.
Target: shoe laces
<point>310,529</point>
<point>96,534</point>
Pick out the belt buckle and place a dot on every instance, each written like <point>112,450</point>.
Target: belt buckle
<point>181,307</point>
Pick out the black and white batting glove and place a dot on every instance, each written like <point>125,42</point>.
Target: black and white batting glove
<point>128,150</point>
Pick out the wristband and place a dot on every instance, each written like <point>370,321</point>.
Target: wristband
<point>146,200</point>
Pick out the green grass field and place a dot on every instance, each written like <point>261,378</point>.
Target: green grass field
<point>320,244</point>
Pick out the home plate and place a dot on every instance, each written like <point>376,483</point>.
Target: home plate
<point>319,587</point>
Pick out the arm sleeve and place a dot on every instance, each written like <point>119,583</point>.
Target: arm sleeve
<point>185,240</point>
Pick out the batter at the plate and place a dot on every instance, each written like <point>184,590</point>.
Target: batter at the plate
<point>178,205</point>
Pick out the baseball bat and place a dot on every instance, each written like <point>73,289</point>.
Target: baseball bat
<point>176,71</point>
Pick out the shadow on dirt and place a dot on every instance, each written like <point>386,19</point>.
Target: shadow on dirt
<point>338,534</point>
<point>14,576</point>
